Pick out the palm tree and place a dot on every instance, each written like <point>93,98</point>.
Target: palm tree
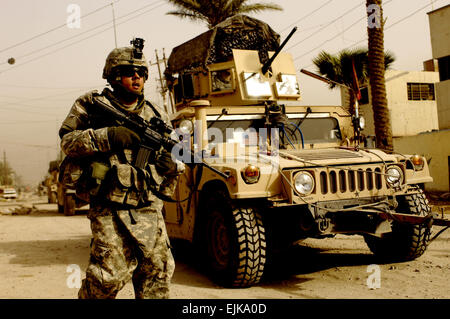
<point>339,68</point>
<point>215,11</point>
<point>383,130</point>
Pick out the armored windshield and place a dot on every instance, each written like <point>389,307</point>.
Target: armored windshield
<point>245,128</point>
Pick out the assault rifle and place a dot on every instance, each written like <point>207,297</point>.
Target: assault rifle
<point>153,134</point>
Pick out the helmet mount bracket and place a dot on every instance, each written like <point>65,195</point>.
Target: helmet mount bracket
<point>138,46</point>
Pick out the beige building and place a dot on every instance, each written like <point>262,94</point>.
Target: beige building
<point>435,146</point>
<point>411,102</point>
<point>419,105</point>
<point>440,43</point>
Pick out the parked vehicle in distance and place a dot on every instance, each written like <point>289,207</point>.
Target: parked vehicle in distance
<point>8,193</point>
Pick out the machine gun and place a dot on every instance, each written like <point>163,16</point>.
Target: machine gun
<point>267,65</point>
<point>153,134</point>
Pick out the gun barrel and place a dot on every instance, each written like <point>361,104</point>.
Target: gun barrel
<point>267,65</point>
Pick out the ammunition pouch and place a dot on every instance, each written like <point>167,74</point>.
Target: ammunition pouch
<point>114,182</point>
<point>82,175</point>
<point>125,185</point>
<point>132,186</point>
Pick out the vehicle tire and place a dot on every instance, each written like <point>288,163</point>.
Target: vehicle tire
<point>235,242</point>
<point>405,242</point>
<point>69,205</point>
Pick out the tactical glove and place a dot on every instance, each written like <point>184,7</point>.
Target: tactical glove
<point>121,137</point>
<point>164,163</point>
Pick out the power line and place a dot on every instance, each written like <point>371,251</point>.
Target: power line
<point>327,25</point>
<point>79,34</point>
<point>336,35</point>
<point>25,111</point>
<point>46,87</point>
<point>407,17</point>
<point>386,28</point>
<point>395,23</point>
<point>52,95</point>
<point>88,37</point>
<point>19,103</point>
<point>31,145</point>
<point>306,16</point>
<point>330,39</point>
<point>53,29</point>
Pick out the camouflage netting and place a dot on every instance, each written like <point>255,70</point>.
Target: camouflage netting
<point>215,45</point>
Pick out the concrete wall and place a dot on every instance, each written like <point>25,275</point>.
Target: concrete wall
<point>435,145</point>
<point>407,117</point>
<point>443,104</point>
<point>439,20</point>
<point>410,117</point>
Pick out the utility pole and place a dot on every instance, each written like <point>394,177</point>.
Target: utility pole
<point>163,90</point>
<point>172,102</point>
<point>114,23</point>
<point>5,171</point>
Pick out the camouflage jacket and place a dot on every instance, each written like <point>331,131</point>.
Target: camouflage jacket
<point>84,137</point>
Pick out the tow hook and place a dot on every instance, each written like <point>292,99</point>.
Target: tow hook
<point>323,224</point>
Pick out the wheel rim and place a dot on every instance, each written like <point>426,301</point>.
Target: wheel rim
<point>219,239</point>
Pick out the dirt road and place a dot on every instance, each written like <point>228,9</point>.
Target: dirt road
<point>42,252</point>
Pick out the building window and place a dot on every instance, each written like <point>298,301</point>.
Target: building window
<point>444,68</point>
<point>421,91</point>
<point>364,96</point>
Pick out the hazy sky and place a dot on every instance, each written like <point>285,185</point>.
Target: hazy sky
<point>55,63</point>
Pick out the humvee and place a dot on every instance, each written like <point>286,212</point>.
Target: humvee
<point>290,171</point>
<point>59,192</point>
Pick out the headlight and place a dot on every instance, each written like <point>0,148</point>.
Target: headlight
<point>394,176</point>
<point>250,174</point>
<point>418,162</point>
<point>304,183</point>
<point>186,126</point>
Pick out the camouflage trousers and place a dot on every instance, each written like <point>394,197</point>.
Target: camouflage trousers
<point>128,246</point>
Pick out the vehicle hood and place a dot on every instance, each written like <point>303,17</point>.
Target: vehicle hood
<point>333,156</point>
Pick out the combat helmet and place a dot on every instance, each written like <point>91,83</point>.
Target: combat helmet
<point>126,56</point>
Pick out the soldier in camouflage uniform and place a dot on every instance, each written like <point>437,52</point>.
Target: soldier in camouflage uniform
<point>129,235</point>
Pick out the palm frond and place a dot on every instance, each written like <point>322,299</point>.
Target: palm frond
<point>339,67</point>
<point>213,12</point>
<point>192,5</point>
<point>258,7</point>
<point>389,59</point>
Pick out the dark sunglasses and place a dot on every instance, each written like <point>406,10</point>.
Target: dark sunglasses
<point>130,71</point>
